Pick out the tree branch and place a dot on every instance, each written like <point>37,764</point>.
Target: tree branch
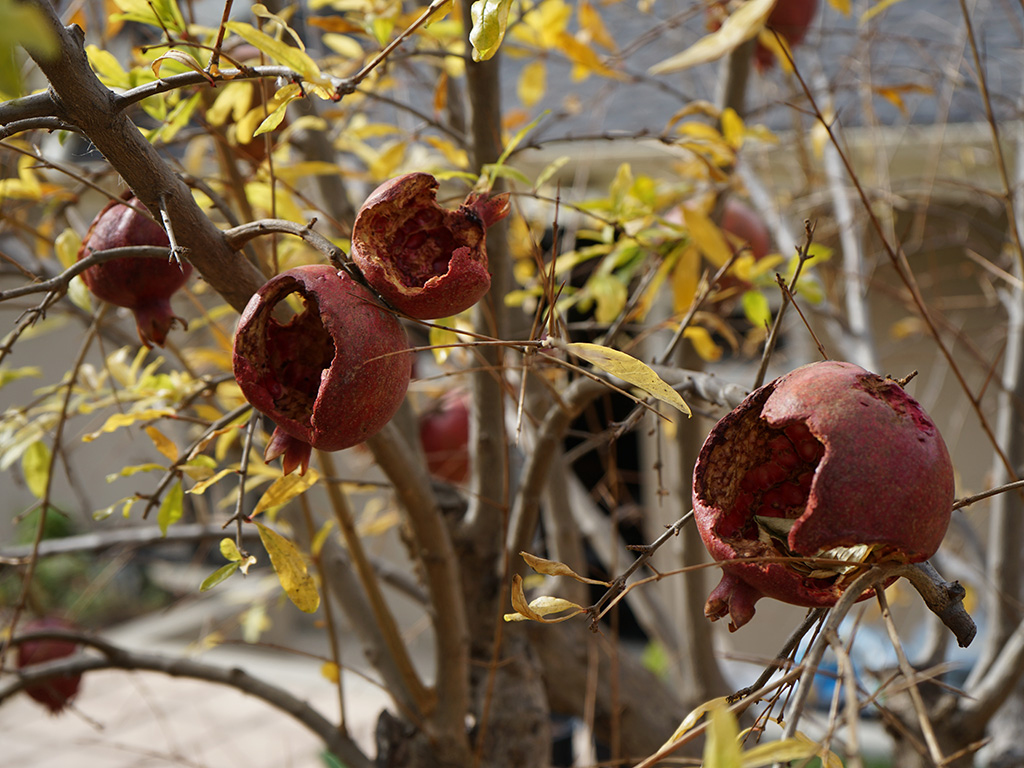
<point>115,657</point>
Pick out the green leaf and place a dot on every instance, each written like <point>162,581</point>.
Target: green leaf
<point>490,19</point>
<point>171,508</point>
<point>291,570</point>
<point>35,464</point>
<point>218,576</point>
<point>755,307</point>
<point>627,368</point>
<point>7,375</point>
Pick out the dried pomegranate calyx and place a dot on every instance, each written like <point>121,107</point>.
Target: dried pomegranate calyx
<point>425,260</point>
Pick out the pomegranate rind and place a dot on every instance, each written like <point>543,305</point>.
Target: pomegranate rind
<point>54,693</point>
<point>425,260</point>
<point>141,285</point>
<point>885,480</point>
<point>360,387</point>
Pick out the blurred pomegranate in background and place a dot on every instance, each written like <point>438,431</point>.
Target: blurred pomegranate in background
<point>56,692</point>
<point>444,434</point>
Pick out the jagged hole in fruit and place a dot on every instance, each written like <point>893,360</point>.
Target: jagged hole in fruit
<point>300,350</point>
<point>426,245</point>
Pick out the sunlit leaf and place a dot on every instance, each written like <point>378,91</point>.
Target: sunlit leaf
<point>539,609</point>
<point>180,57</point>
<point>553,568</point>
<point>611,296</point>
<point>532,82</point>
<point>685,279</point>
<point>627,368</point>
<point>876,8</point>
<point>200,488</point>
<point>218,576</point>
<point>708,238</point>
<point>163,443</point>
<point>741,25</point>
<point>490,18</point>
<point>229,549</point>
<point>756,309</point>
<point>171,508</point>
<point>722,747</point>
<point>284,54</point>
<point>8,375</point>
<point>586,58</point>
<point>35,465</point>
<point>843,6</point>
<point>591,21</point>
<point>291,569</point>
<point>550,170</point>
<point>330,671</point>
<point>118,420</point>
<point>284,489</point>
<point>779,752</point>
<point>703,344</point>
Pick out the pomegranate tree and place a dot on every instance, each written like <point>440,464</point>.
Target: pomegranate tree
<point>329,376</point>
<point>54,693</point>
<point>827,463</point>
<point>425,260</point>
<point>144,286</point>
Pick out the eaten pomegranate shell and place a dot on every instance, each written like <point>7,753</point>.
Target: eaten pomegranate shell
<point>144,286</point>
<point>330,376</point>
<point>54,693</point>
<point>425,260</point>
<point>828,461</point>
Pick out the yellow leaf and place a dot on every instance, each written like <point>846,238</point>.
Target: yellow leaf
<point>685,279</point>
<point>330,671</point>
<point>703,343</point>
<point>490,19</point>
<point>611,296</point>
<point>722,747</point>
<point>693,717</point>
<point>284,489</point>
<point>291,570</point>
<point>163,443</point>
<point>591,21</point>
<point>386,163</point>
<point>293,58</point>
<point>586,57</point>
<point>779,48</point>
<point>532,83</point>
<point>118,420</point>
<point>229,549</point>
<point>539,609</point>
<point>134,469</point>
<point>200,488</point>
<point>843,6</point>
<point>627,368</point>
<point>233,101</point>
<point>708,238</point>
<point>66,247</point>
<point>35,464</point>
<point>876,9</point>
<point>740,26</point>
<point>779,752</point>
<point>732,128</point>
<point>553,568</point>
<point>453,154</point>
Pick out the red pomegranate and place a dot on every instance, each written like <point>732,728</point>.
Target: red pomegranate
<point>828,461</point>
<point>144,286</point>
<point>332,375</point>
<point>791,19</point>
<point>56,692</point>
<point>425,260</point>
<point>741,220</point>
<point>444,434</point>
